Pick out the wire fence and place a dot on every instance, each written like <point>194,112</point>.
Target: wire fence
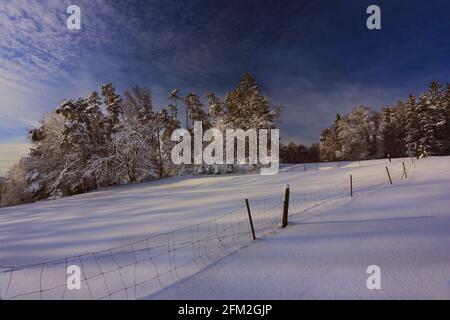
<point>287,167</point>
<point>147,266</point>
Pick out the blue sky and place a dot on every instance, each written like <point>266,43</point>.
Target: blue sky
<point>314,57</point>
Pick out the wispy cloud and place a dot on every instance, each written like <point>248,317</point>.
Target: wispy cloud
<point>314,57</point>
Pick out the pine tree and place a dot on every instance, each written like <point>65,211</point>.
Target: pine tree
<point>248,108</point>
<point>446,127</point>
<point>197,110</point>
<point>328,145</point>
<point>113,103</point>
<point>217,111</point>
<point>138,103</point>
<point>97,126</point>
<point>432,120</point>
<point>174,95</point>
<point>413,129</point>
<point>76,144</point>
<point>165,124</point>
<point>389,131</point>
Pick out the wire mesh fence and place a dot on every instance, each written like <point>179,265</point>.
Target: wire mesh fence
<point>147,266</point>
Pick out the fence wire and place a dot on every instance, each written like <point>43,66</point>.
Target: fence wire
<point>147,266</point>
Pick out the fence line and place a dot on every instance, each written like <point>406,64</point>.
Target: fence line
<point>147,266</point>
<point>312,166</point>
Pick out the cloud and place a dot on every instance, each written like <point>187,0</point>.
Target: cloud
<point>298,50</point>
<point>308,112</point>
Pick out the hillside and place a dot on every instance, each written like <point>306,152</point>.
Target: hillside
<point>324,253</point>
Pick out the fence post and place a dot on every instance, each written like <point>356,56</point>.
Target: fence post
<point>389,176</point>
<point>250,218</point>
<point>404,170</point>
<point>284,218</point>
<point>351,186</point>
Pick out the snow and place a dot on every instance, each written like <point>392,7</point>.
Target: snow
<point>403,228</point>
<point>34,186</point>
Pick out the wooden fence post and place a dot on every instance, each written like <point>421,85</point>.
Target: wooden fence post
<point>351,186</point>
<point>284,218</point>
<point>404,170</point>
<point>389,176</point>
<point>250,218</point>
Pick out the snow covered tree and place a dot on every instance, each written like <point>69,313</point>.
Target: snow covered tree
<point>197,109</point>
<point>328,145</point>
<point>392,132</point>
<point>77,147</point>
<point>332,139</point>
<point>446,128</point>
<point>363,126</point>
<point>113,103</point>
<point>97,126</point>
<point>355,136</point>
<point>13,186</point>
<point>217,111</point>
<point>138,103</point>
<point>130,155</point>
<point>247,107</point>
<point>134,154</point>
<point>413,129</point>
<point>174,95</point>
<point>165,124</point>
<point>173,111</point>
<point>46,159</point>
<point>431,119</point>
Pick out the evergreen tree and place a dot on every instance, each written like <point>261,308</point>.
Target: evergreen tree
<point>174,95</point>
<point>413,129</point>
<point>391,133</point>
<point>328,145</point>
<point>247,107</point>
<point>432,120</point>
<point>113,103</point>
<point>446,127</point>
<point>197,109</point>
<point>313,154</point>
<point>217,111</point>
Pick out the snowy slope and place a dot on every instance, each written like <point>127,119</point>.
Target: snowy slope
<point>404,229</point>
<point>111,217</point>
<point>92,224</point>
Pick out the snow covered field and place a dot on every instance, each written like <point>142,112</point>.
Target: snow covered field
<point>405,229</point>
<point>111,217</point>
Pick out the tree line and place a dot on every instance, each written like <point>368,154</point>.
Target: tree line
<point>107,139</point>
<point>417,127</point>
